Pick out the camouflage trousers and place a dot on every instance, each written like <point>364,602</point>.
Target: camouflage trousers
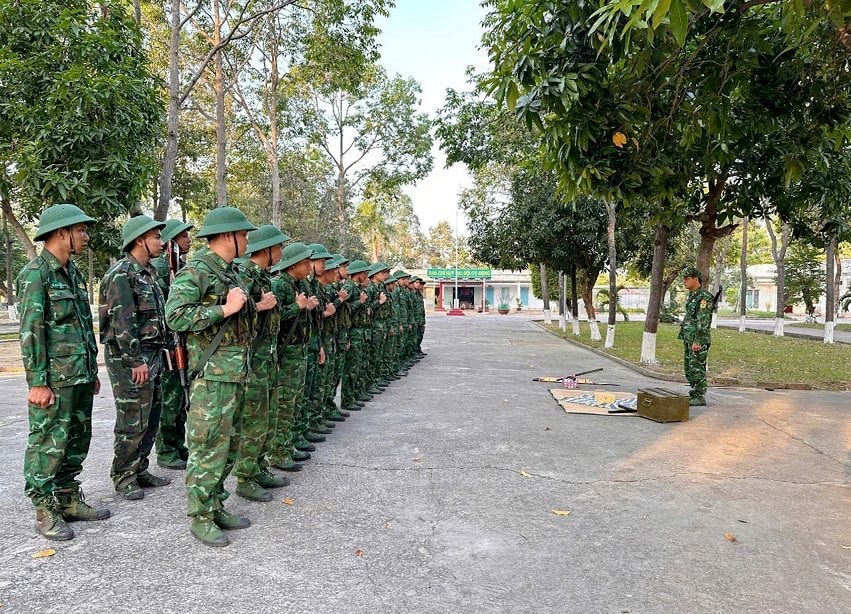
<point>376,352</point>
<point>351,375</point>
<point>137,415</point>
<point>311,380</point>
<point>256,424</point>
<point>319,390</point>
<point>333,374</point>
<point>388,355</point>
<point>171,438</point>
<point>420,335</point>
<point>289,392</point>
<point>212,435</point>
<point>695,369</point>
<point>57,444</point>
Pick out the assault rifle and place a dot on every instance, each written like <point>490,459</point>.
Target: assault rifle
<point>176,358</point>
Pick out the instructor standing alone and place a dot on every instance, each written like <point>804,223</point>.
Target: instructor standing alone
<point>695,333</point>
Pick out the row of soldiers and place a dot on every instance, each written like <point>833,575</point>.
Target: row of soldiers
<point>272,329</point>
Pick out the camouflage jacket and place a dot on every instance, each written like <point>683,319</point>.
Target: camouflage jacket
<point>286,290</point>
<point>381,313</point>
<point>57,337</point>
<point>400,307</point>
<point>160,265</point>
<point>361,312</point>
<point>194,306</point>
<point>312,287</point>
<point>331,324</point>
<point>131,310</point>
<point>419,308</point>
<point>697,320</point>
<point>257,281</point>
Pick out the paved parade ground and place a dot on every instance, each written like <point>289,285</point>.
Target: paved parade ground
<point>439,497</point>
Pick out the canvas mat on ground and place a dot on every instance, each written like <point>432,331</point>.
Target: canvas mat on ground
<point>597,402</point>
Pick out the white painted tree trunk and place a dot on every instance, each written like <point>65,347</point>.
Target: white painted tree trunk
<point>778,327</point>
<point>562,322</point>
<point>742,324</point>
<point>548,317</point>
<point>714,324</point>
<point>575,326</point>
<point>595,330</point>
<point>828,331</point>
<point>648,349</point>
<point>610,337</point>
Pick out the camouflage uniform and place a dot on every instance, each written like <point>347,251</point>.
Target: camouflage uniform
<point>256,424</point>
<point>695,329</point>
<point>352,341</point>
<point>292,357</point>
<point>311,413</point>
<point>217,393</point>
<point>171,438</point>
<point>381,314</point>
<point>58,350</point>
<point>132,330</point>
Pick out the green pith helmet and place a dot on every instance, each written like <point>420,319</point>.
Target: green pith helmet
<point>332,263</point>
<point>224,219</point>
<point>174,228</point>
<point>293,254</point>
<point>136,227</point>
<point>377,268</point>
<point>60,216</point>
<point>401,274</point>
<point>319,252</point>
<point>341,260</point>
<point>265,236</point>
<point>692,271</point>
<point>358,266</point>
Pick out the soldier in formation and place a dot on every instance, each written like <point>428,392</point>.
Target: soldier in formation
<point>273,330</point>
<point>695,331</point>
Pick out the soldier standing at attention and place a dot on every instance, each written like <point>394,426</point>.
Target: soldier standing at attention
<point>293,337</point>
<point>695,333</point>
<point>348,365</point>
<point>253,477</point>
<point>209,302</point>
<point>59,353</point>
<point>132,330</point>
<point>171,437</point>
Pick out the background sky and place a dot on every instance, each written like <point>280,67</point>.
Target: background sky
<point>434,41</point>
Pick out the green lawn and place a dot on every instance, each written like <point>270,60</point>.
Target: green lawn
<point>846,328</point>
<point>748,357</point>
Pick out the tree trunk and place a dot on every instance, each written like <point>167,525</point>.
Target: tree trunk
<point>588,280</point>
<point>20,232</point>
<point>837,280</point>
<point>170,154</point>
<point>709,231</point>
<point>721,252</point>
<point>830,296</point>
<point>778,254</point>
<point>545,294</point>
<point>219,90</point>
<point>611,213</point>
<point>10,279</point>
<point>562,316</point>
<point>574,301</point>
<point>654,305</point>
<point>91,258</point>
<point>743,271</point>
<point>137,12</point>
<point>272,114</point>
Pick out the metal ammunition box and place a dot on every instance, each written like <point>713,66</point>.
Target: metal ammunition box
<point>662,405</point>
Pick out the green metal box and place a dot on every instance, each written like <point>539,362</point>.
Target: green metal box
<point>662,405</point>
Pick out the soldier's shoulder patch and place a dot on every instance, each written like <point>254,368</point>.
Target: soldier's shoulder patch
<point>703,303</point>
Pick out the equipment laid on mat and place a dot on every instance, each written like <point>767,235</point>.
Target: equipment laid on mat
<point>597,403</point>
<point>662,405</point>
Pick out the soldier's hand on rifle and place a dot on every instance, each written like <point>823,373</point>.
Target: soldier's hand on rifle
<point>321,356</point>
<point>342,295</point>
<point>382,298</point>
<point>329,310</point>
<point>696,347</point>
<point>363,297</point>
<point>301,300</point>
<point>267,301</point>
<point>41,396</point>
<point>140,375</point>
<point>312,303</point>
<point>235,300</point>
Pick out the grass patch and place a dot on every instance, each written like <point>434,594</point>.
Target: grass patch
<point>750,357</point>
<point>845,328</point>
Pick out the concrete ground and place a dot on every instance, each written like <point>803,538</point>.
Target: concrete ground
<point>418,504</point>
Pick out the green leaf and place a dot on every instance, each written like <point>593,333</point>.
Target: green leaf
<point>679,21</point>
<point>716,6</point>
<point>661,12</point>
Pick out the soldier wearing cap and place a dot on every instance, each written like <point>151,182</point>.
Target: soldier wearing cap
<point>253,477</point>
<point>171,437</point>
<point>347,363</point>
<point>59,354</point>
<point>209,302</point>
<point>132,331</point>
<point>334,342</point>
<point>695,331</point>
<point>419,319</point>
<point>355,376</point>
<point>293,338</point>
<point>378,300</point>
